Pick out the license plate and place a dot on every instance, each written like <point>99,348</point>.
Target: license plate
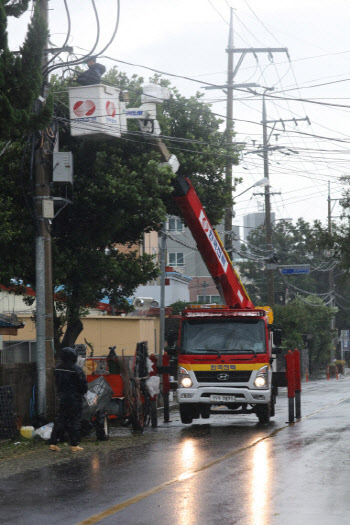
<point>223,399</point>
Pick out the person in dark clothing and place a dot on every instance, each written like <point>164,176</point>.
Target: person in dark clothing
<point>93,74</point>
<point>71,386</point>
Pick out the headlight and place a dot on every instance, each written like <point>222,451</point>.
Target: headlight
<point>186,382</point>
<point>184,379</point>
<point>261,380</point>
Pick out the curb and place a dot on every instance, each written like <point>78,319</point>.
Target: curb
<point>172,407</point>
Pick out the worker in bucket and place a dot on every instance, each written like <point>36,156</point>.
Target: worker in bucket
<point>71,386</point>
<point>93,74</point>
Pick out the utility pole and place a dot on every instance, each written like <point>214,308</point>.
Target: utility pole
<point>231,74</point>
<point>162,293</point>
<point>330,273</point>
<point>229,87</point>
<point>268,226</point>
<point>229,137</point>
<point>44,293</point>
<point>267,194</point>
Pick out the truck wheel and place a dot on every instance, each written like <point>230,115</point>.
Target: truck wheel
<point>205,412</point>
<point>186,414</point>
<point>264,412</point>
<point>273,403</point>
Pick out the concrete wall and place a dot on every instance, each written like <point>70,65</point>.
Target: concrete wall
<point>175,291</point>
<point>11,303</point>
<point>105,331</point>
<point>124,332</point>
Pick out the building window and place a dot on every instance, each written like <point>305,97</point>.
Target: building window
<point>175,225</point>
<point>18,352</point>
<point>209,299</point>
<point>176,259</point>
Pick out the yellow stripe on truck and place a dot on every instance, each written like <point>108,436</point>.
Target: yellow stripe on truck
<point>222,367</point>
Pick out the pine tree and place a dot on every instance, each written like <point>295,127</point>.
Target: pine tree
<point>21,76</point>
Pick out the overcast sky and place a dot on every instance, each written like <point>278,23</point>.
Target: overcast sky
<point>189,37</point>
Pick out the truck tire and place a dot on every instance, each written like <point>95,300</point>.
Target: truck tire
<point>264,412</point>
<point>186,414</point>
<point>205,412</point>
<point>273,403</point>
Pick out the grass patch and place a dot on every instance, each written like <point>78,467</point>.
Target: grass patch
<point>17,447</point>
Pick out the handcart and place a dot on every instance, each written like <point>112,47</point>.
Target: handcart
<point>117,393</point>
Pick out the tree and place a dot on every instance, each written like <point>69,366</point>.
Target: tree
<point>292,244</point>
<point>306,319</point>
<point>301,243</point>
<point>20,76</point>
<point>21,117</point>
<point>120,191</point>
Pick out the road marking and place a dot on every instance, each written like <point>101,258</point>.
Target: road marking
<point>182,477</point>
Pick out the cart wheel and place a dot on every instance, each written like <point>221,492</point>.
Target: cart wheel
<point>137,409</point>
<point>154,418</point>
<point>101,424</point>
<point>106,427</point>
<point>146,407</point>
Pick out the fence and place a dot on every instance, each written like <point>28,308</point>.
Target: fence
<point>21,377</point>
<point>8,425</point>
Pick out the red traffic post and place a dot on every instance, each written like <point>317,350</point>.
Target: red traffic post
<point>153,400</point>
<point>297,383</point>
<point>336,372</point>
<point>290,384</point>
<point>166,387</point>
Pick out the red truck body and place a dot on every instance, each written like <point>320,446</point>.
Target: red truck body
<point>224,352</point>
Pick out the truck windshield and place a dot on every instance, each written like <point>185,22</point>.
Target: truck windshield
<point>226,336</point>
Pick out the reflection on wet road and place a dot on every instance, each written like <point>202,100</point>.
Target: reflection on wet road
<point>260,483</point>
<point>226,471</point>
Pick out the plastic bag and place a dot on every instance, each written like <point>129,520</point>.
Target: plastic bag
<point>44,432</point>
<point>152,385</point>
<point>91,398</point>
<point>97,398</point>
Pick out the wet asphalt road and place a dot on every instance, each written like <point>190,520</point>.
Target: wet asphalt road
<point>228,470</point>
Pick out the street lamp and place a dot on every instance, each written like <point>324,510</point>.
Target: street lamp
<point>286,219</point>
<point>261,182</point>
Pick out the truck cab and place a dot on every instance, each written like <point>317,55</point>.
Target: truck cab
<point>225,363</point>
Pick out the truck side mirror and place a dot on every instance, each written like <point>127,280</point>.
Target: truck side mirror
<point>277,351</point>
<point>277,337</point>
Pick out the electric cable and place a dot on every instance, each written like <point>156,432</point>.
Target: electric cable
<point>218,12</point>
<point>81,60</point>
<point>66,40</point>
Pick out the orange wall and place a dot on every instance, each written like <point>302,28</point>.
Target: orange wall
<point>105,331</point>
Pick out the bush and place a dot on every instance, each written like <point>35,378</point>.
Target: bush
<point>340,364</point>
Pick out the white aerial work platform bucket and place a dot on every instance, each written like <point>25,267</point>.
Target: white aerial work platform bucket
<point>96,111</point>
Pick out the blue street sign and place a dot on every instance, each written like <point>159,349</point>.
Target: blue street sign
<point>295,271</point>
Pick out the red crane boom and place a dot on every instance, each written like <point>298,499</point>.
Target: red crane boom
<point>210,246</point>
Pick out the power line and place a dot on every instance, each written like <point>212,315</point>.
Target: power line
<point>81,60</point>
